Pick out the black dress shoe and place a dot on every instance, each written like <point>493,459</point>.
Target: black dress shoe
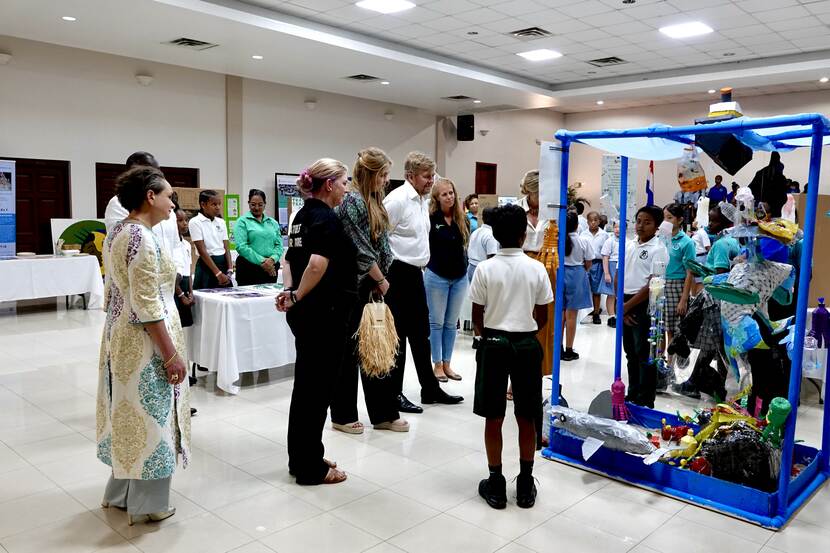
<point>494,491</point>
<point>525,491</point>
<point>193,411</point>
<point>406,406</point>
<point>440,396</point>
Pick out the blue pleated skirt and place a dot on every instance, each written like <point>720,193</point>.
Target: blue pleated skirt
<point>609,289</point>
<point>577,288</point>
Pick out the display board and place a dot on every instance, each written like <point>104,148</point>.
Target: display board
<point>8,209</point>
<point>820,282</point>
<point>230,208</point>
<point>87,234</point>
<point>550,162</point>
<point>286,187</point>
<point>610,186</point>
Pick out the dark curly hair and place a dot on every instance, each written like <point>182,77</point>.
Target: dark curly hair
<point>132,185</point>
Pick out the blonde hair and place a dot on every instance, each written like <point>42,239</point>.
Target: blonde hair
<point>417,162</point>
<point>318,173</point>
<point>370,162</point>
<point>458,216</point>
<point>530,183</point>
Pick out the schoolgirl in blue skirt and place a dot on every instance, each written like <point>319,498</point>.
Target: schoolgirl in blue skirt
<point>610,256</point>
<point>577,293</point>
<point>597,237</point>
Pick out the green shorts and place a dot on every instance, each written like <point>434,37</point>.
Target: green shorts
<point>517,355</point>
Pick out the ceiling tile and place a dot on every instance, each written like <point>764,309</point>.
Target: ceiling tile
<point>819,7</point>
<point>585,8</point>
<point>610,18</point>
<point>753,6</point>
<point>507,25</point>
<point>685,4</point>
<point>631,28</point>
<point>812,42</point>
<point>318,5</point>
<point>549,17</point>
<point>450,7</point>
<point>749,30</point>
<point>644,11</point>
<point>445,24</point>
<point>517,7</point>
<point>418,15</point>
<point>494,40</point>
<point>482,15</point>
<point>782,14</point>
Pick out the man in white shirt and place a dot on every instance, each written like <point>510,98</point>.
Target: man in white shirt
<point>483,244</point>
<point>408,211</point>
<point>166,232</point>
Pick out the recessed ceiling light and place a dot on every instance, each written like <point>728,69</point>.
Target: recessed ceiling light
<point>686,30</point>
<point>540,55</point>
<point>257,57</point>
<point>69,18</point>
<point>823,80</point>
<point>384,82</point>
<point>600,102</point>
<point>712,91</point>
<point>385,6</point>
<point>476,101</point>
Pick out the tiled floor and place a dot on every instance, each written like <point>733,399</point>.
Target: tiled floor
<point>412,492</point>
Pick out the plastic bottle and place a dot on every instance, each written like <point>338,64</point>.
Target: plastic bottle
<point>820,329</point>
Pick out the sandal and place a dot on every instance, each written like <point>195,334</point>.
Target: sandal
<point>351,428</point>
<point>399,425</point>
<point>334,476</point>
<point>331,464</point>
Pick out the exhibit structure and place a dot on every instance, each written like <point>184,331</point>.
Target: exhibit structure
<point>606,446</point>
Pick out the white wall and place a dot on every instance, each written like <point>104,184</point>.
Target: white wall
<point>585,161</point>
<point>510,143</point>
<point>281,135</point>
<point>85,107</point>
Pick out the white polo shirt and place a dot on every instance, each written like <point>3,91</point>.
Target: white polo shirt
<point>640,260</point>
<point>509,286</point>
<point>408,225</point>
<point>581,251</point>
<point>213,233</point>
<point>482,245</point>
<point>183,257</point>
<point>611,248</point>
<point>597,241</point>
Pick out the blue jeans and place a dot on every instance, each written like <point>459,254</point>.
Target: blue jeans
<point>444,298</point>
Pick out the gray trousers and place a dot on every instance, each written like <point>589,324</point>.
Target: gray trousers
<point>139,497</point>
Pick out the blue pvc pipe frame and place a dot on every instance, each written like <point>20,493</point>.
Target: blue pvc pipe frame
<point>816,129</point>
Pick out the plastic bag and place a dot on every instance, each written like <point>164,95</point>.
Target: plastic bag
<point>690,175</point>
<point>702,217</point>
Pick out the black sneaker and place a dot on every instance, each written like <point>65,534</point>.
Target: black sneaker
<point>494,491</point>
<point>569,355</point>
<point>525,491</point>
<point>595,319</point>
<point>612,322</point>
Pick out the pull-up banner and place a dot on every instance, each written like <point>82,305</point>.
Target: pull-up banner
<point>8,225</point>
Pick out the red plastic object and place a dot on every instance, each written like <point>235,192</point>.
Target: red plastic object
<point>701,465</point>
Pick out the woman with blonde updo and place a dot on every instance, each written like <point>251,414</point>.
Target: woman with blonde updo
<point>320,289</point>
<point>445,278</point>
<point>366,223</point>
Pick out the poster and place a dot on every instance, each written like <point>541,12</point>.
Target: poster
<point>87,234</point>
<point>8,223</point>
<point>231,209</point>
<point>287,191</point>
<point>610,187</point>
<point>550,164</point>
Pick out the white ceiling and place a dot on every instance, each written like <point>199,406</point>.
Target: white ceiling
<point>427,52</point>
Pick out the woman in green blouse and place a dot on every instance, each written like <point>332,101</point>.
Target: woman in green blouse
<point>259,243</point>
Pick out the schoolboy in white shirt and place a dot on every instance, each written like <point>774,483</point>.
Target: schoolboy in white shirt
<point>510,293</point>
<point>645,257</point>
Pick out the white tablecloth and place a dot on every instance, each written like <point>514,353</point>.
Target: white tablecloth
<point>46,277</point>
<point>231,336</point>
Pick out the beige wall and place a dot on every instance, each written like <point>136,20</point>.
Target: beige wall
<point>585,161</point>
<point>76,105</point>
<point>510,143</point>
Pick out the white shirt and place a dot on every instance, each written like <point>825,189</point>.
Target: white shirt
<point>213,233</point>
<point>702,241</point>
<point>408,225</point>
<point>581,251</point>
<point>167,232</point>
<point>597,241</point>
<point>583,224</point>
<point>535,235</point>
<point>482,245</point>
<point>640,260</point>
<point>611,248</point>
<point>509,286</point>
<point>183,257</point>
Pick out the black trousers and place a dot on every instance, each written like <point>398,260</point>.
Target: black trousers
<point>320,333</point>
<point>381,394</point>
<point>251,273</point>
<point>642,375</point>
<point>204,278</point>
<point>407,299</point>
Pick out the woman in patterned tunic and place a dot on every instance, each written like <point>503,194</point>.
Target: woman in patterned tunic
<point>143,411</point>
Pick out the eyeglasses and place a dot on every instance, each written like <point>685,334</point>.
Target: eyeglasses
<point>260,204</point>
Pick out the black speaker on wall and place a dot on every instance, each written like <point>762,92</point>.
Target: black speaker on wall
<point>465,128</point>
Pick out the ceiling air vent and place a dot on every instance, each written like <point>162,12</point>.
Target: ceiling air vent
<point>530,33</point>
<point>363,78</point>
<point>607,62</point>
<point>458,98</point>
<point>192,43</point>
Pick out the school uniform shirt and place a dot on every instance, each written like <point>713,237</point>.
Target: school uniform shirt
<point>717,194</point>
<point>597,241</point>
<point>167,231</point>
<point>640,262</point>
<point>408,225</point>
<point>681,251</point>
<point>723,251</point>
<point>702,241</point>
<point>509,286</point>
<point>583,224</point>
<point>611,248</point>
<point>581,251</point>
<point>447,253</point>
<point>183,257</point>
<point>681,197</point>
<point>213,233</point>
<point>482,245</point>
<point>535,236</point>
